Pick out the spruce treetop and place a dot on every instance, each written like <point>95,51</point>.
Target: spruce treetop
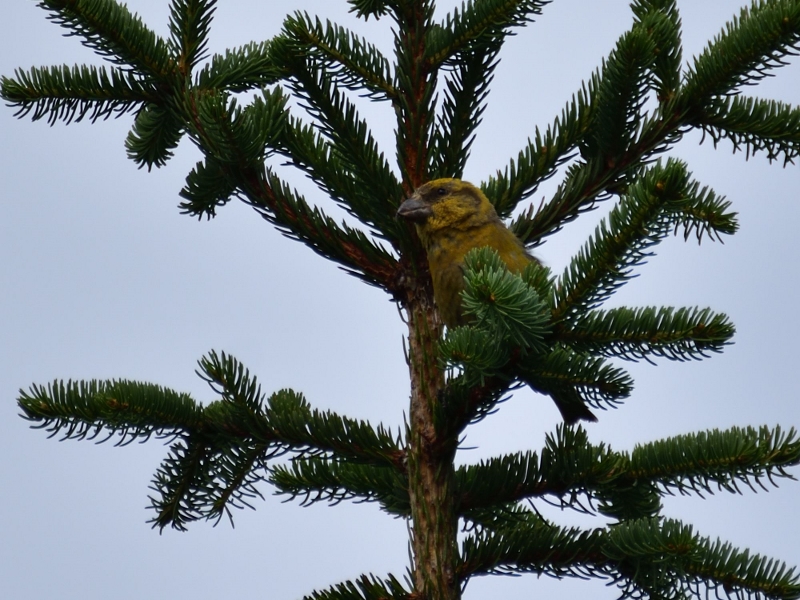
<point>292,101</point>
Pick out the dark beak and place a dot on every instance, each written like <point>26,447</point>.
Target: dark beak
<point>414,210</point>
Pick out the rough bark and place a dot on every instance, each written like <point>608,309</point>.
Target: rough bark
<point>430,465</point>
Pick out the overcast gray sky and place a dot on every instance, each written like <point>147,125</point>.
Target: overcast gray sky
<point>102,277</point>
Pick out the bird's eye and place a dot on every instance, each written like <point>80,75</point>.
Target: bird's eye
<point>441,191</point>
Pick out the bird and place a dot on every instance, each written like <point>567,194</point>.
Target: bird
<point>452,217</point>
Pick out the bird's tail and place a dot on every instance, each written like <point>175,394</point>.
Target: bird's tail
<point>569,403</point>
<point>571,406</point>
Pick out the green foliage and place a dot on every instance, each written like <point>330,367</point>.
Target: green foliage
<point>467,44</point>
<point>221,449</point>
<point>619,96</point>
<point>364,183</point>
<point>564,372</point>
<point>291,97</point>
<point>189,22</point>
<point>666,559</point>
<point>644,333</point>
<point>316,479</point>
<point>540,158</point>
<point>72,93</point>
<point>113,32</point>
<point>691,463</point>
<point>568,468</point>
<point>154,135</point>
<point>240,70</point>
<point>353,63</point>
<point>503,302</point>
<point>366,587</point>
<point>372,8</point>
<point>755,125</point>
<point>751,45</point>
<point>222,453</point>
<point>527,543</point>
<point>85,409</point>
<point>662,198</point>
<point>661,20</point>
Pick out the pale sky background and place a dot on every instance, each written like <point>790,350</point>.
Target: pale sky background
<point>102,277</point>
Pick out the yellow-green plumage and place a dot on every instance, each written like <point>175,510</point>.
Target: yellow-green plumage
<point>452,217</point>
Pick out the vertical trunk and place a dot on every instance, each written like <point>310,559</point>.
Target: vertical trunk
<point>430,466</point>
<point>430,454</point>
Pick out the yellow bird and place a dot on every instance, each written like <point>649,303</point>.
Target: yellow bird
<point>452,217</point>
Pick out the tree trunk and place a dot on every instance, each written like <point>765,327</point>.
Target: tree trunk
<point>430,465</point>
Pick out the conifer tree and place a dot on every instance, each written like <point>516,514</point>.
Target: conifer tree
<point>292,97</point>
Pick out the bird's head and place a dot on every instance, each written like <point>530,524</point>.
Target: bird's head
<point>446,204</point>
